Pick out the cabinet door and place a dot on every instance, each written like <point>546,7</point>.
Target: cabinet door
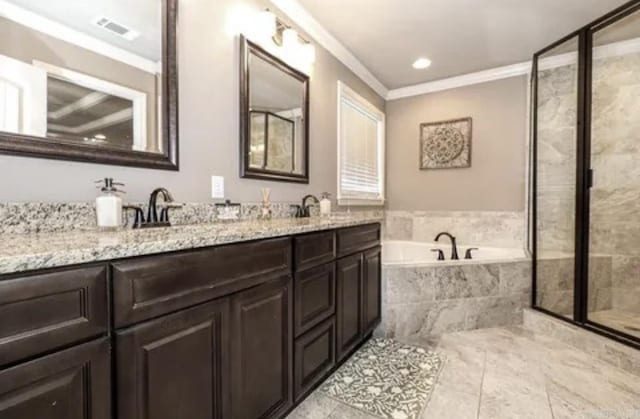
<point>175,367</point>
<point>349,304</point>
<point>315,297</point>
<point>261,348</point>
<point>371,294</point>
<point>71,384</point>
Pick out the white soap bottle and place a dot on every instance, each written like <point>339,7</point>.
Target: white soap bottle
<point>109,205</point>
<point>325,204</point>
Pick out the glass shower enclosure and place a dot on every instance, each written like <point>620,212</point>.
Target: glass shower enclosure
<point>586,176</point>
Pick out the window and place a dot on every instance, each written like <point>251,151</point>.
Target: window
<point>361,142</point>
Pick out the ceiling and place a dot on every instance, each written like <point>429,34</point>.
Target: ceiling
<point>143,16</point>
<point>459,36</point>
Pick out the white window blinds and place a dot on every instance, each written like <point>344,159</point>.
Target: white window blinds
<point>361,150</point>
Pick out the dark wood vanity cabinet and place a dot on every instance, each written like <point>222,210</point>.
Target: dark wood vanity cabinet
<point>71,384</point>
<point>240,331</point>
<point>358,286</point>
<point>261,351</point>
<point>349,300</point>
<point>372,292</point>
<point>46,311</point>
<point>175,366</point>
<point>315,357</point>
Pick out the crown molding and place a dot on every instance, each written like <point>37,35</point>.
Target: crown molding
<point>493,74</point>
<point>615,49</point>
<point>64,33</point>
<point>302,18</point>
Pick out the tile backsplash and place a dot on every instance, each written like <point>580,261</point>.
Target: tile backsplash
<point>39,217</point>
<point>43,217</point>
<point>483,228</point>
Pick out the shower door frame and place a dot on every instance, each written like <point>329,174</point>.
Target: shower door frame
<point>584,174</point>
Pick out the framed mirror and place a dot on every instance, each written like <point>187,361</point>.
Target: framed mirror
<point>92,81</point>
<point>274,117</point>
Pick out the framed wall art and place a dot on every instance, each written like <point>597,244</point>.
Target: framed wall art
<point>446,144</point>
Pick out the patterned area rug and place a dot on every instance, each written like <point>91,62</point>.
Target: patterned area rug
<point>387,379</point>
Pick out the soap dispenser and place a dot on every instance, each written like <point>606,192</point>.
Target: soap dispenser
<point>109,204</point>
<point>325,204</point>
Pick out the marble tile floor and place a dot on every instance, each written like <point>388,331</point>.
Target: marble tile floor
<point>626,322</point>
<point>507,373</point>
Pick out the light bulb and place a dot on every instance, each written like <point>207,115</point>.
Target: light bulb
<point>421,63</point>
<point>290,39</point>
<point>265,25</point>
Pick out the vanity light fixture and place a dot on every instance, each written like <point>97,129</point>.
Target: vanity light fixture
<point>278,38</point>
<point>421,63</point>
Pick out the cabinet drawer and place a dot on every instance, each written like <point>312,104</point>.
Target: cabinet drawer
<point>156,285</point>
<point>46,311</point>
<point>71,384</point>
<point>315,357</point>
<point>355,239</point>
<point>315,291</point>
<point>314,249</point>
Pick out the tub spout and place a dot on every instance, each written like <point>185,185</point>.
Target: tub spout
<point>454,247</point>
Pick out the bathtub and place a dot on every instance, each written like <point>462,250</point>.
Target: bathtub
<point>424,297</point>
<point>420,253</point>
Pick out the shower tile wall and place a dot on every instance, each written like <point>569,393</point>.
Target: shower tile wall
<point>615,150</point>
<point>555,284</point>
<point>556,159</point>
<point>615,223</point>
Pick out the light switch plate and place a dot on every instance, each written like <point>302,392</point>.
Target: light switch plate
<point>217,187</point>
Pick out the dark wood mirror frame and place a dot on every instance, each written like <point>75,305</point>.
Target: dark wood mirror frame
<point>30,146</point>
<point>248,48</point>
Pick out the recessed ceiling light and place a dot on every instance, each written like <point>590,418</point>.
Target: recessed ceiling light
<point>421,63</point>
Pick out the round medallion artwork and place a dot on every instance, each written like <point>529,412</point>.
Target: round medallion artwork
<point>445,144</point>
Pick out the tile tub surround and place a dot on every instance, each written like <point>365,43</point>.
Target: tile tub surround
<point>422,301</point>
<point>23,252</point>
<point>600,347</point>
<point>510,373</point>
<point>485,228</point>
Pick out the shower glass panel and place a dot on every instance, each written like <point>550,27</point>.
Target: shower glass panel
<point>614,224</point>
<point>555,192</point>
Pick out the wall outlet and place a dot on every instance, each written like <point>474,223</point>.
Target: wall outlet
<point>217,187</point>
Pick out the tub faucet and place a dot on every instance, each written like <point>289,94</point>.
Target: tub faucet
<point>454,248</point>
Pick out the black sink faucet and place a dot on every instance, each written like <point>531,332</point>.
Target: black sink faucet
<point>454,247</point>
<point>305,210</point>
<point>152,213</point>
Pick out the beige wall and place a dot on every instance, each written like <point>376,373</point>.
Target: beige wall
<point>208,66</point>
<point>494,182</point>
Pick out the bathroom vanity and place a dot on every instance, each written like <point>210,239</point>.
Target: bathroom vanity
<point>243,330</point>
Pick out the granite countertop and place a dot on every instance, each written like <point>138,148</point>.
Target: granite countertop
<point>27,252</point>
